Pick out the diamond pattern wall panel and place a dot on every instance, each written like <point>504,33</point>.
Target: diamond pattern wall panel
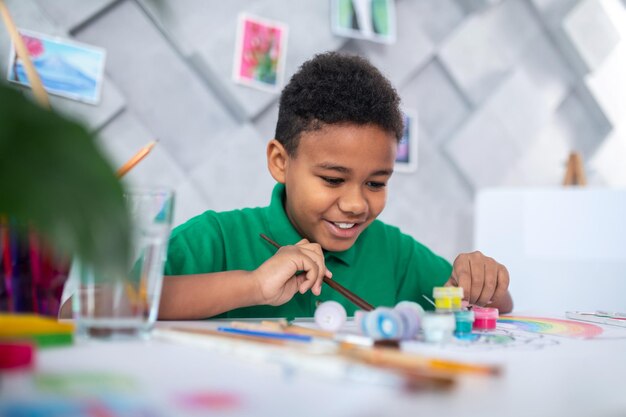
<point>504,89</point>
<point>68,14</point>
<point>157,82</point>
<point>28,15</point>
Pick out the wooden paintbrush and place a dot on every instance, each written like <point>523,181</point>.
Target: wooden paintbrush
<point>352,297</point>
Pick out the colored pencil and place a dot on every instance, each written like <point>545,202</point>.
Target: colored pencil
<point>403,360</point>
<point>266,333</point>
<point>352,297</point>
<point>22,52</point>
<point>130,164</point>
<point>6,262</point>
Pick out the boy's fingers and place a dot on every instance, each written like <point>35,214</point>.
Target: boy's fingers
<point>315,252</point>
<point>311,272</point>
<point>502,282</point>
<point>462,273</point>
<point>477,268</point>
<point>490,284</point>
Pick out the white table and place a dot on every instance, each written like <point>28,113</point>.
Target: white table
<point>552,377</point>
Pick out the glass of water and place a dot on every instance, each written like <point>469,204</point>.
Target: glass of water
<point>106,306</point>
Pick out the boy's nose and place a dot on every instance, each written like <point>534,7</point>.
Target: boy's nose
<point>353,202</point>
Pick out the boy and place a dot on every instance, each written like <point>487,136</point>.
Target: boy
<point>338,128</point>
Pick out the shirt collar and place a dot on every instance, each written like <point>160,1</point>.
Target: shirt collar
<point>282,231</point>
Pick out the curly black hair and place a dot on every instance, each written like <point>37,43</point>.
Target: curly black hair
<point>336,88</point>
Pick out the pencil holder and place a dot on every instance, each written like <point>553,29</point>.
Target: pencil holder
<point>31,273</point>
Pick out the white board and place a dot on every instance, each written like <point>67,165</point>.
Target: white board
<point>565,248</point>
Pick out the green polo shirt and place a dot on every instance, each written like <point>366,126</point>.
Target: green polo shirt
<point>383,267</point>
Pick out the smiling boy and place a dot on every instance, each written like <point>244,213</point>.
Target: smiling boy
<point>337,133</point>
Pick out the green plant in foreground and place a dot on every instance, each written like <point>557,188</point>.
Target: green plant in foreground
<point>54,179</point>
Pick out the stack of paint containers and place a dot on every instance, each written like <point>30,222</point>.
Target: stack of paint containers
<point>439,326</point>
<point>383,323</point>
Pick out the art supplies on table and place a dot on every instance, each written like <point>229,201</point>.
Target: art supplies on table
<point>16,355</point>
<point>602,317</point>
<point>43,331</point>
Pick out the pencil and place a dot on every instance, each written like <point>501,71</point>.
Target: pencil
<point>402,360</point>
<point>266,333</point>
<point>352,297</point>
<point>130,164</point>
<point>22,53</point>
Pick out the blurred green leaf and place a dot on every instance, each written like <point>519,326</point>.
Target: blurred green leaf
<point>54,178</point>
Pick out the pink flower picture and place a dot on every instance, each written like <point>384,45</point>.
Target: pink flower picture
<point>260,53</point>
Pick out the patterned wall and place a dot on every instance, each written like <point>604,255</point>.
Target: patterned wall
<point>504,90</point>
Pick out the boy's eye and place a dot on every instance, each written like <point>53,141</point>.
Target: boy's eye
<point>376,185</point>
<point>332,180</point>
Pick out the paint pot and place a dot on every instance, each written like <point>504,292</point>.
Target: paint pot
<point>330,316</point>
<point>383,323</point>
<point>448,298</point>
<point>438,327</point>
<point>16,355</point>
<point>464,322</point>
<point>485,318</point>
<point>411,314</point>
<point>359,315</point>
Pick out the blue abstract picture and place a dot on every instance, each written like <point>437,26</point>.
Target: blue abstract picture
<point>66,68</point>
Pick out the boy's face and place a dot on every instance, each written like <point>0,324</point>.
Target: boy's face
<point>336,184</point>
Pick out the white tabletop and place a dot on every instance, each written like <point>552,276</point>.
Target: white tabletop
<point>543,375</point>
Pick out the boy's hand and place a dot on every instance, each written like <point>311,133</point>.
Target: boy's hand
<point>276,278</point>
<point>484,281</point>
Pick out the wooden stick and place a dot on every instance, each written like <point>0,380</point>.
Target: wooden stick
<point>575,171</point>
<point>33,77</point>
<point>355,299</point>
<point>130,164</point>
<point>401,360</point>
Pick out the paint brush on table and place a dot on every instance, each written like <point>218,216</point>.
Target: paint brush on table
<point>352,297</point>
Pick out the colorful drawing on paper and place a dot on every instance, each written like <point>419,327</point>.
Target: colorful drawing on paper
<point>374,20</point>
<point>66,68</point>
<point>406,158</point>
<point>260,53</point>
<point>548,326</point>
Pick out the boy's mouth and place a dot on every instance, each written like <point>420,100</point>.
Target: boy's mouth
<point>343,230</point>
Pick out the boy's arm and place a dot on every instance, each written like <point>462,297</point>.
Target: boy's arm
<point>294,268</point>
<point>198,296</point>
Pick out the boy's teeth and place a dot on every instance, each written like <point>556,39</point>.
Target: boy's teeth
<point>344,225</point>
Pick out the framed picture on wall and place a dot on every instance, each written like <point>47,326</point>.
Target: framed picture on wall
<point>374,20</point>
<point>260,52</point>
<point>406,158</point>
<point>66,68</point>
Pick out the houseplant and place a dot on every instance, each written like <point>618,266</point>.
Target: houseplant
<point>54,180</point>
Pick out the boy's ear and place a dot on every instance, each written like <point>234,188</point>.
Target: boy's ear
<point>277,160</point>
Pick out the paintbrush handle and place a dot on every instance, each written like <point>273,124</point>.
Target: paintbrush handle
<point>352,297</point>
<point>355,299</point>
